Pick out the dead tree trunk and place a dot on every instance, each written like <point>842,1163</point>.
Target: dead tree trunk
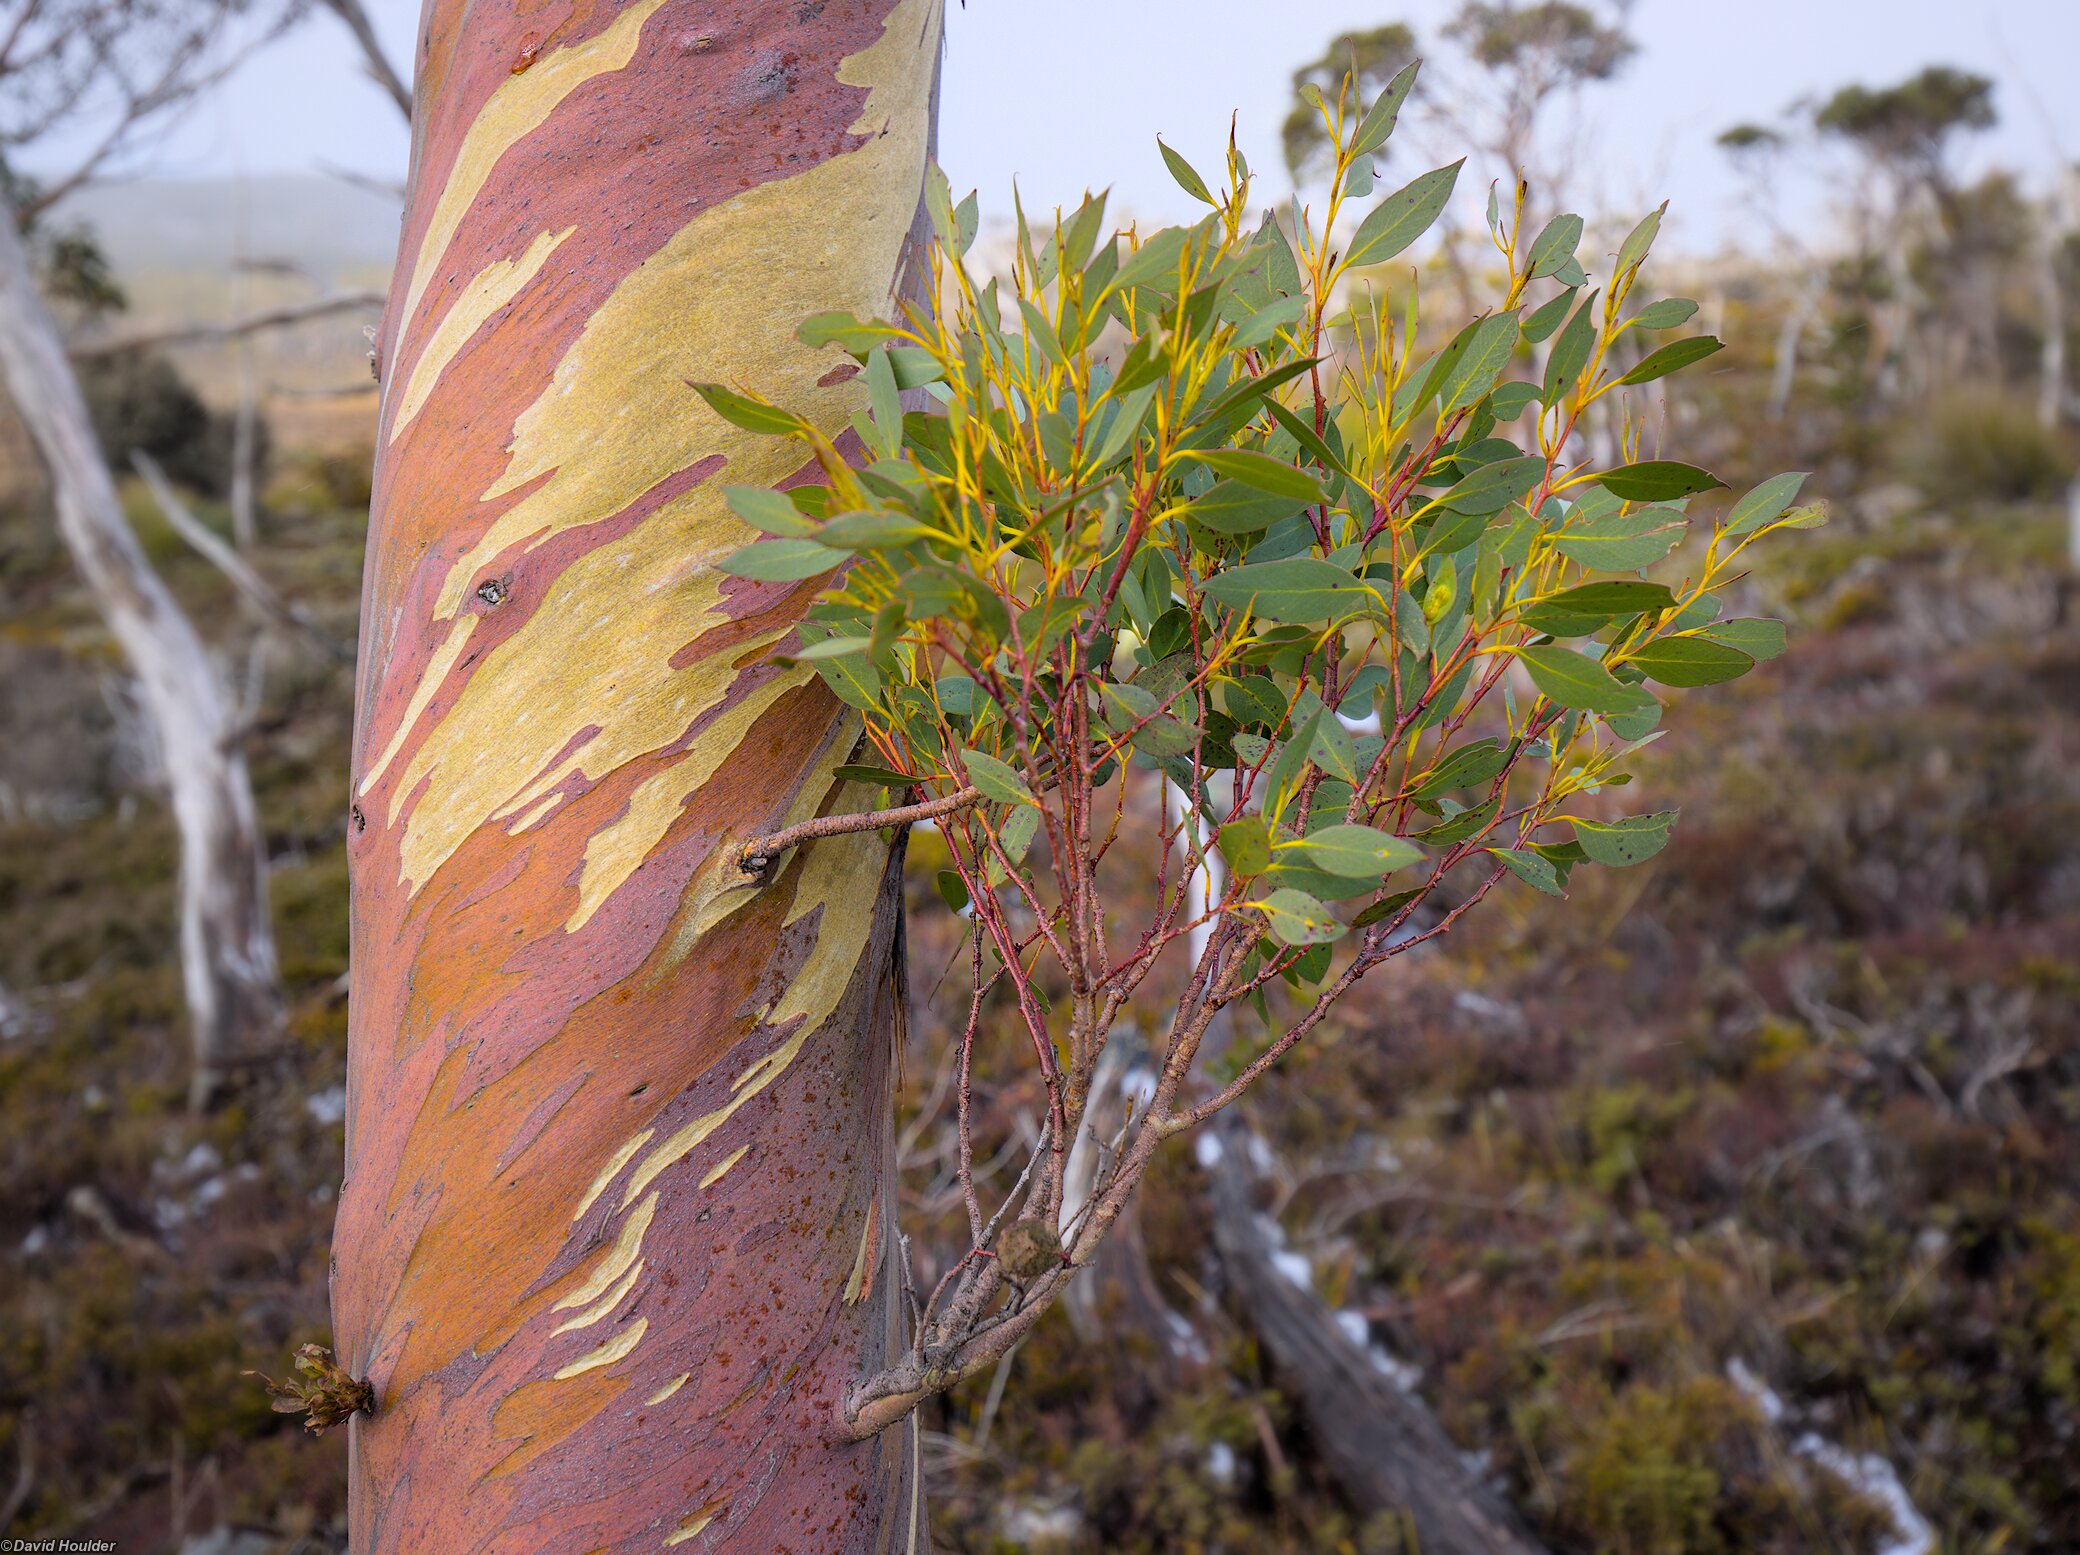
<point>616,1236</point>
<point>1380,1443</point>
<point>227,947</point>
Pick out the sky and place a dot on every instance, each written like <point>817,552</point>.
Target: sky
<point>1060,94</point>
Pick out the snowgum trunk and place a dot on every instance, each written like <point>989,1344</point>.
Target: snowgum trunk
<point>616,1234</point>
<point>226,945</point>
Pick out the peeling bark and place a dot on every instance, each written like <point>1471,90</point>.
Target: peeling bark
<point>617,1232</point>
<point>227,948</point>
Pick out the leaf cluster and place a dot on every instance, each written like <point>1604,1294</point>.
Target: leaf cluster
<point>1196,503</point>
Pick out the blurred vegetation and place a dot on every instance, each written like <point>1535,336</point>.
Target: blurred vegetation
<point>1766,1150</point>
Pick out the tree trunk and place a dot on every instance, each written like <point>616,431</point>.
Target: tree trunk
<point>617,1231</point>
<point>227,947</point>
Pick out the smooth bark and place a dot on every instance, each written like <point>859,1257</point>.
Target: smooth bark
<point>616,1235</point>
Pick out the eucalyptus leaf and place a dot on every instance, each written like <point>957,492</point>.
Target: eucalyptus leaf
<point>1619,844</point>
<point>1402,217</point>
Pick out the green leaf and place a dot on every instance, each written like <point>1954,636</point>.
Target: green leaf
<point>1467,767</point>
<point>1574,681</point>
<point>1294,588</point>
<point>1402,217</point>
<point>1622,542</point>
<point>1016,835</point>
<point>1333,751</point>
<point>1282,782</point>
<point>873,531</point>
<point>1311,441</point>
<point>1765,504</point>
<point>1187,177</point>
<point>1690,661</point>
<point>1633,251</point>
<point>1756,636</point>
<point>1618,597</point>
<point>1555,245</point>
<point>1461,825</point>
<point>1165,736</point>
<point>885,776</point>
<point>1298,919</point>
<point>1234,508</point>
<point>1570,353</point>
<point>782,561</point>
<point>834,648</point>
<point>952,890</point>
<point>1384,908</point>
<point>1665,314</point>
<point>1617,844</point>
<point>853,680</point>
<point>1155,262</point>
<point>752,415</point>
<point>1673,357</point>
<point>1509,400</point>
<point>1261,471</point>
<point>1292,868</point>
<point>1246,845</point>
<point>765,509</point>
<point>996,780</point>
<point>1531,868</point>
<point>1487,353</point>
<point>1546,317</point>
<point>1126,704</point>
<point>1657,480</point>
<point>887,407</point>
<point>1360,852</point>
<point>1561,623</point>
<point>1379,120</point>
<point>1493,487</point>
<point>857,336</point>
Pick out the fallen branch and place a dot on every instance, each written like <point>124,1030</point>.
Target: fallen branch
<point>1382,1445</point>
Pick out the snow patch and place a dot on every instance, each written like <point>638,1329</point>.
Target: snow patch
<point>1867,1473</point>
<point>1874,1477</point>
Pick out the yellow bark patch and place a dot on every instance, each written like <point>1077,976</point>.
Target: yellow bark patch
<point>669,1388</point>
<point>614,851</point>
<point>856,1287</point>
<point>611,1170</point>
<point>605,1305</point>
<point>627,1247</point>
<point>516,110</point>
<point>715,1173</point>
<point>497,284</point>
<point>608,1353</point>
<point>689,1528</point>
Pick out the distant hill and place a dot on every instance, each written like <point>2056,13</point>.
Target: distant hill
<point>338,231</point>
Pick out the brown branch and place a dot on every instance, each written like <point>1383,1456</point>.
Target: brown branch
<point>287,314</point>
<point>373,59</point>
<point>757,855</point>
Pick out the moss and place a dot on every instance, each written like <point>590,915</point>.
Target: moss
<point>1643,1475</point>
